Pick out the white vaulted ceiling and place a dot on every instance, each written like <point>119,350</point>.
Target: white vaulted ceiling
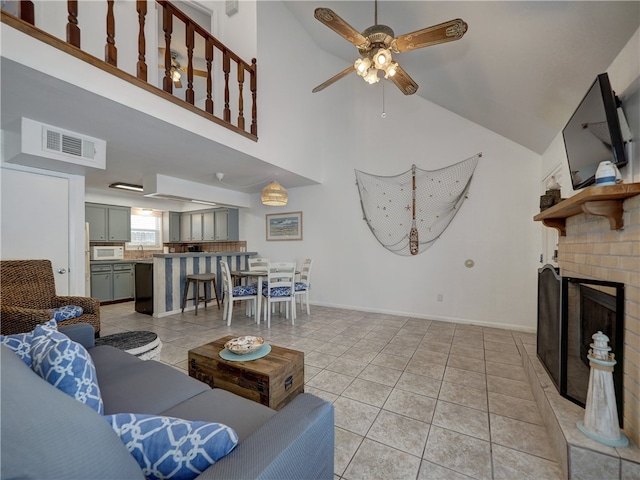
<point>520,70</point>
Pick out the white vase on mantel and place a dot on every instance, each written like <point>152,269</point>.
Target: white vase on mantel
<point>601,411</point>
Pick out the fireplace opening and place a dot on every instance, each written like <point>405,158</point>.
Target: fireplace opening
<point>570,311</point>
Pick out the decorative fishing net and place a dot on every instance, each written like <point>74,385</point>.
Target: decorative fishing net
<point>408,212</point>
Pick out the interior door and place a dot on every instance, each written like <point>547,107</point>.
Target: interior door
<point>35,221</point>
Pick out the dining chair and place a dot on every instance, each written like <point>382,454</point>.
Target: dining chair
<point>233,293</point>
<point>280,288</point>
<point>258,263</point>
<point>304,285</point>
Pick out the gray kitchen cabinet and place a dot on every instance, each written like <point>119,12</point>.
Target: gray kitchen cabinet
<point>171,226</point>
<point>185,227</point>
<point>96,216</point>
<point>108,223</point>
<point>102,282</point>
<point>208,226</point>
<point>122,281</point>
<point>112,281</point>
<point>196,226</point>
<point>215,225</point>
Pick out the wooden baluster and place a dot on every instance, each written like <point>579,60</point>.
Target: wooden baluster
<point>73,32</point>
<point>254,92</point>
<point>110,51</point>
<point>226,67</point>
<point>208,104</point>
<point>141,66</point>
<point>189,97</point>
<point>240,99</point>
<point>27,12</point>
<point>167,27</point>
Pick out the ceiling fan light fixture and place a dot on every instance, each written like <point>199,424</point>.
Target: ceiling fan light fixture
<point>362,66</point>
<point>391,69</point>
<point>274,195</point>
<point>175,75</point>
<point>372,76</point>
<point>382,58</point>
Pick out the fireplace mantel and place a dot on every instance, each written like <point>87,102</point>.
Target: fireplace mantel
<point>602,201</point>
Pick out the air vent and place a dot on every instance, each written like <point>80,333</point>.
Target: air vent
<point>70,145</point>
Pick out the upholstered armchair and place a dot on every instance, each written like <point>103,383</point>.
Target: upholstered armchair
<point>28,295</point>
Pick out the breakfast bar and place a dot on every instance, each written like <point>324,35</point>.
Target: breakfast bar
<point>170,271</point>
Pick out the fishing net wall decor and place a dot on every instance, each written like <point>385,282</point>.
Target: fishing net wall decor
<point>408,212</point>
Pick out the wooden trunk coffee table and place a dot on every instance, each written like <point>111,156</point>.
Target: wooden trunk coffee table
<point>273,380</point>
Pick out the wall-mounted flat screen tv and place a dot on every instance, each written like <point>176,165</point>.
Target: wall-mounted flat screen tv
<point>593,133</point>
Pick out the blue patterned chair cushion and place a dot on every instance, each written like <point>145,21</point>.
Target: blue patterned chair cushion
<point>167,447</point>
<point>300,287</point>
<point>66,365</point>
<point>245,290</point>
<point>66,313</point>
<point>20,343</point>
<point>277,292</point>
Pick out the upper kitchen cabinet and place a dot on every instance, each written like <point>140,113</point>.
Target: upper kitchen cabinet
<point>215,225</point>
<point>108,223</point>
<point>171,226</point>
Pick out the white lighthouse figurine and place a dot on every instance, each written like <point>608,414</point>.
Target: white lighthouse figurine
<point>601,412</point>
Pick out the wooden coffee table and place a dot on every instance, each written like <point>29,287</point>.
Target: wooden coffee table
<point>273,380</point>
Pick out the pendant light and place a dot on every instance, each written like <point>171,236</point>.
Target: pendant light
<point>274,195</point>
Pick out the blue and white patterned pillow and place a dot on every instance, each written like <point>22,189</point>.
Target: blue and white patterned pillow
<point>245,290</point>
<point>66,313</point>
<point>66,365</point>
<point>167,447</point>
<point>277,292</point>
<point>20,343</point>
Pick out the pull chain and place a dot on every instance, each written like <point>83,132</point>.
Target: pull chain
<point>384,114</point>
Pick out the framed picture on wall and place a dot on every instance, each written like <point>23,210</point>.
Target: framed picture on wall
<point>284,226</point>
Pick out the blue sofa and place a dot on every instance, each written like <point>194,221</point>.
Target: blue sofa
<point>47,434</point>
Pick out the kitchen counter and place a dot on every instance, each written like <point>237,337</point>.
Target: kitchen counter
<point>170,271</point>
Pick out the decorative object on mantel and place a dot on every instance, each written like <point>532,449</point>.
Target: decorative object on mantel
<point>552,195</point>
<point>601,413</point>
<point>408,212</point>
<point>607,174</point>
<point>603,201</point>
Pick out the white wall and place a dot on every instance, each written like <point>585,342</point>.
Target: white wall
<point>624,74</point>
<point>341,129</point>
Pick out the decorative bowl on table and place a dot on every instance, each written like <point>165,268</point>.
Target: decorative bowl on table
<point>244,345</point>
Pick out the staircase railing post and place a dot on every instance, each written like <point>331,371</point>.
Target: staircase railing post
<point>73,32</point>
<point>141,66</point>
<point>110,50</point>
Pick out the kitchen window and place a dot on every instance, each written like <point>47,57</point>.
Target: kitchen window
<point>146,229</point>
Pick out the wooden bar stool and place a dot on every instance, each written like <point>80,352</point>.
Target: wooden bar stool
<point>197,278</point>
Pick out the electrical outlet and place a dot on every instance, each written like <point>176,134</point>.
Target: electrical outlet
<point>440,297</point>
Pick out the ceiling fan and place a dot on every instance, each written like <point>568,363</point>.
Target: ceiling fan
<point>377,43</point>
<point>177,70</point>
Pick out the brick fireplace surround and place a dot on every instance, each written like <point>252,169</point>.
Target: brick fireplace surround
<point>591,249</point>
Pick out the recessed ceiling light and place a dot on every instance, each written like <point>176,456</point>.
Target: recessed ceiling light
<point>127,186</point>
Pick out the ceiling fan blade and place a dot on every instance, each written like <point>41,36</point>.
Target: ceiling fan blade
<point>335,78</point>
<point>342,28</point>
<point>177,83</point>
<point>441,33</point>
<point>404,82</point>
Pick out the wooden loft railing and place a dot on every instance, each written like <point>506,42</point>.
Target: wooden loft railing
<point>220,61</point>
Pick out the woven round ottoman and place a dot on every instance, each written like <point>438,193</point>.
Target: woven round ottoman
<point>142,344</point>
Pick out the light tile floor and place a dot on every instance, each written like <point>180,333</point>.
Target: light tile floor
<point>414,399</point>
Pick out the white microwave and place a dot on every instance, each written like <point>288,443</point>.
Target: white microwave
<point>107,253</point>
